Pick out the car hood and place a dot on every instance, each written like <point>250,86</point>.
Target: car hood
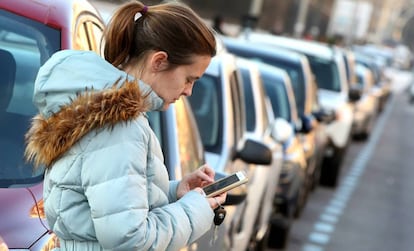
<point>20,225</point>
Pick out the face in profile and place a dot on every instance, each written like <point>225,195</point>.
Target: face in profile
<point>171,84</point>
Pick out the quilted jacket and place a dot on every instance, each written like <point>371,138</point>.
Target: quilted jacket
<point>105,185</point>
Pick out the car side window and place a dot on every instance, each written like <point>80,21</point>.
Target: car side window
<point>205,103</point>
<point>278,96</point>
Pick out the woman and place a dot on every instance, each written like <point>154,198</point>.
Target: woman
<point>105,185</point>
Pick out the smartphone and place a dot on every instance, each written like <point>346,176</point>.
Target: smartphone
<point>225,184</point>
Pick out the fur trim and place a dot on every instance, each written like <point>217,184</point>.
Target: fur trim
<point>49,138</point>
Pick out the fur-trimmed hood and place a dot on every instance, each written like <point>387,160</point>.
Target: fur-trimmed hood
<point>76,92</point>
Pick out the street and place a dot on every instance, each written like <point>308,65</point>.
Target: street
<point>371,209</point>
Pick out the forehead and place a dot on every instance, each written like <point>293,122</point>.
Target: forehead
<point>198,65</point>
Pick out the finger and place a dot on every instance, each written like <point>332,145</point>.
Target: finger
<point>206,174</point>
<point>205,178</point>
<point>221,198</point>
<point>207,170</point>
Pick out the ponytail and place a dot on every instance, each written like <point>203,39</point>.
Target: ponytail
<point>119,36</point>
<point>171,27</point>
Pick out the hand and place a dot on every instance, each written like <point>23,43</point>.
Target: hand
<point>217,201</point>
<point>199,178</point>
<point>214,201</point>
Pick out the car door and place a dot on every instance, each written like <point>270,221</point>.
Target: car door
<point>179,138</point>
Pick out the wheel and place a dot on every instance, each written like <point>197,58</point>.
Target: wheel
<point>331,168</point>
<point>259,245</point>
<point>301,199</point>
<point>279,233</point>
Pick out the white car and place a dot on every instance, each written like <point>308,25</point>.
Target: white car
<point>262,124</point>
<point>218,105</point>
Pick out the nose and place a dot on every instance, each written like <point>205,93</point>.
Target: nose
<point>188,90</point>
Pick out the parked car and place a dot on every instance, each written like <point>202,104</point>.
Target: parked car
<point>369,102</point>
<point>361,80</point>
<point>218,105</point>
<point>179,138</point>
<point>30,32</point>
<point>329,70</point>
<point>261,124</point>
<point>291,196</point>
<point>382,84</point>
<point>180,141</point>
<point>313,118</point>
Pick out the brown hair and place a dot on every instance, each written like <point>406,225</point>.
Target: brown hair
<point>171,27</point>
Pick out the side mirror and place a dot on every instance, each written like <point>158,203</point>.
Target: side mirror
<point>282,131</point>
<point>325,116</point>
<point>307,123</point>
<point>255,152</point>
<point>355,93</point>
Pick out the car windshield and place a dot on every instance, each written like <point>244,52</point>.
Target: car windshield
<point>326,73</point>
<point>24,46</point>
<point>205,102</point>
<point>278,96</point>
<point>293,69</point>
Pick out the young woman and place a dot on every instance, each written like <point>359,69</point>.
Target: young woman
<point>105,185</point>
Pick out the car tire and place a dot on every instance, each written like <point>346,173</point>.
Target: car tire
<point>279,233</point>
<point>301,199</point>
<point>331,168</point>
<point>260,245</point>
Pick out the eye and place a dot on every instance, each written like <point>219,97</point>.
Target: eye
<point>189,81</point>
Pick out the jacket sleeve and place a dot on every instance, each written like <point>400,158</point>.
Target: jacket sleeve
<point>172,191</point>
<point>118,189</point>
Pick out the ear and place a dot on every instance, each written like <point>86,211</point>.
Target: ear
<point>159,61</point>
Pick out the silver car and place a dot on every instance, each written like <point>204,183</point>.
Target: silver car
<point>218,106</point>
<point>262,124</point>
<point>291,196</point>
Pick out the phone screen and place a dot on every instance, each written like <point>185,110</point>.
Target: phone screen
<point>221,184</point>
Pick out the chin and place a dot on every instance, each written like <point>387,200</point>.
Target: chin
<point>165,107</point>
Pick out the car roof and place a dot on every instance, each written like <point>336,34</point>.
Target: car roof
<point>55,14</point>
<point>260,49</point>
<point>220,60</point>
<point>50,12</point>
<point>272,70</point>
<point>307,47</point>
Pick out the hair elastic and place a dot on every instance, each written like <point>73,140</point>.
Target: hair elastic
<point>144,10</point>
<point>141,13</point>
